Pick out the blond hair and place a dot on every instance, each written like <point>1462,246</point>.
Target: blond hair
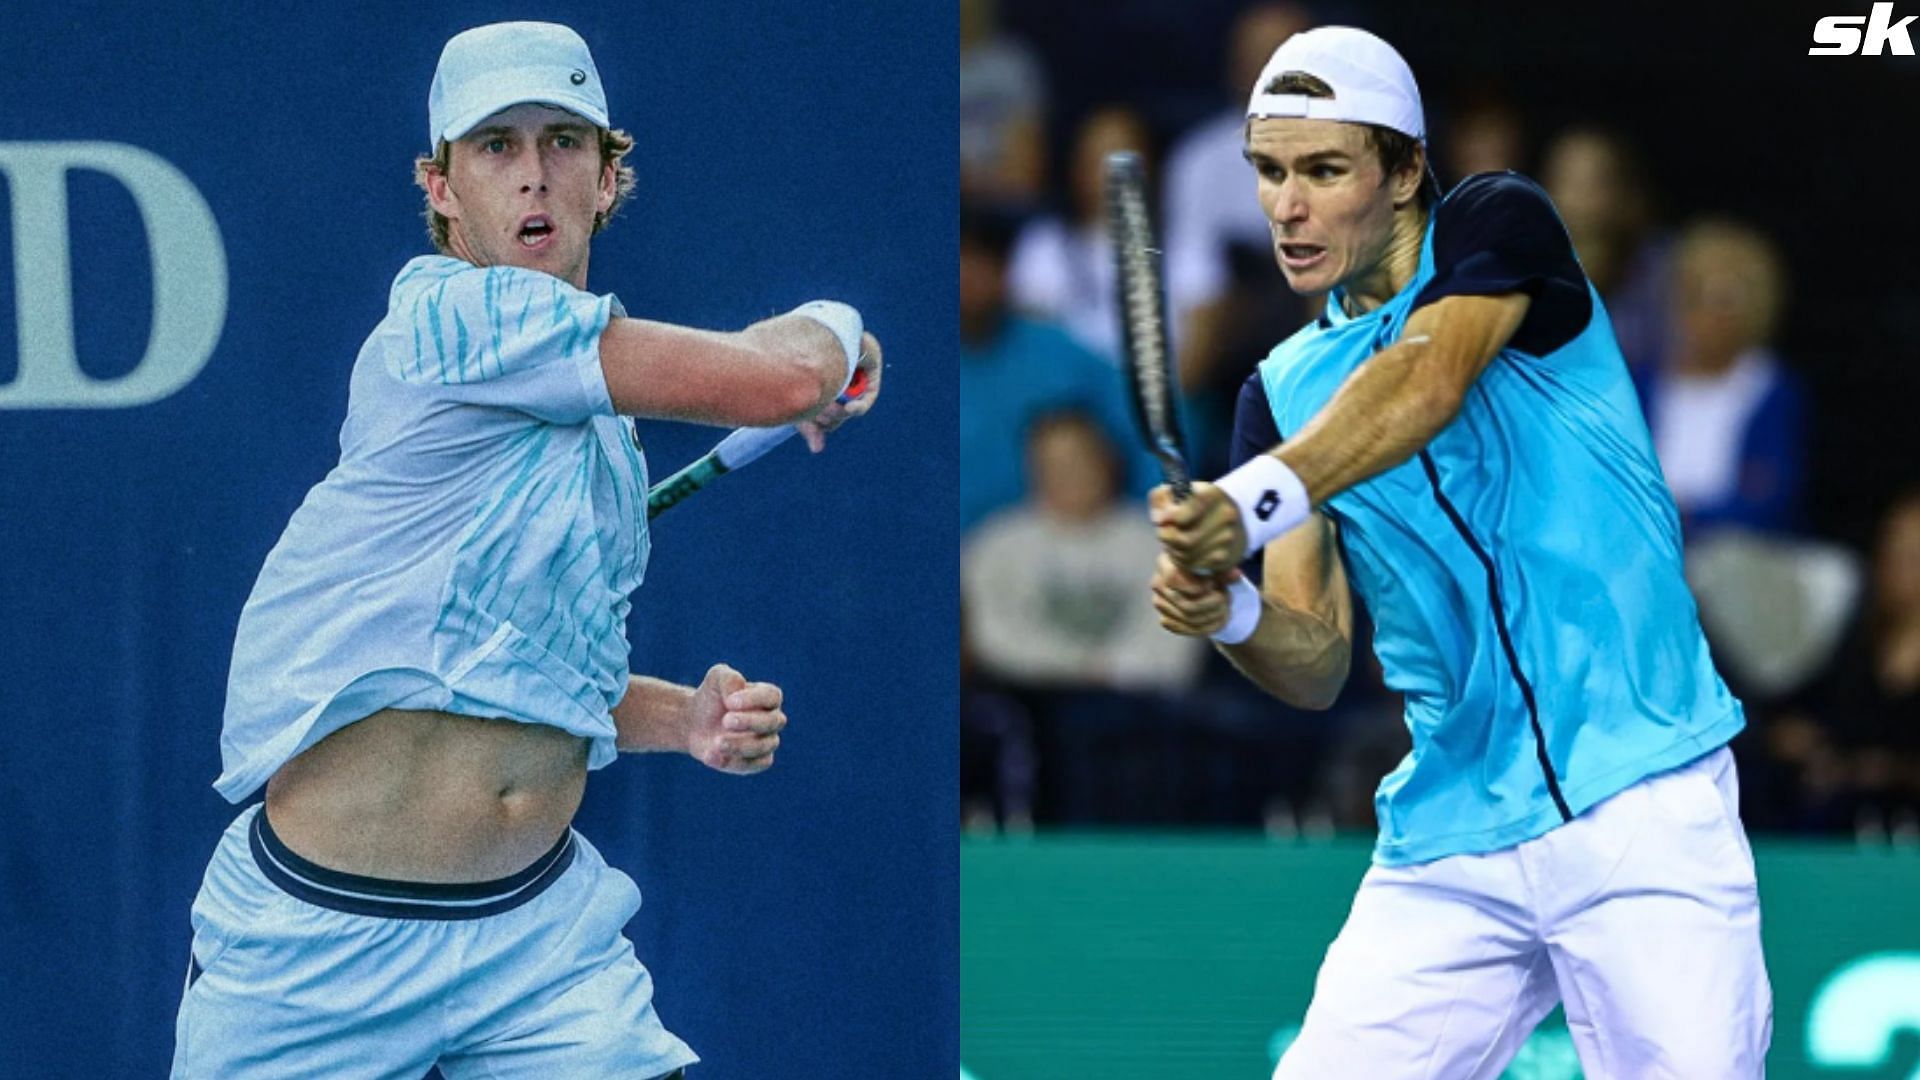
<point>614,147</point>
<point>1733,249</point>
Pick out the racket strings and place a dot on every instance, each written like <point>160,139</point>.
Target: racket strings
<point>1143,320</point>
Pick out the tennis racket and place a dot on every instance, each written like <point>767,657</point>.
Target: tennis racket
<point>739,448</point>
<point>1143,319</point>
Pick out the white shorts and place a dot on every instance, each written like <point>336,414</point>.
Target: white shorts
<point>1641,915</point>
<point>302,971</point>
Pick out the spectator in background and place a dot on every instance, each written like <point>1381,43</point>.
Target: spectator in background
<point>1484,134</point>
<point>1012,368</point>
<point>1876,699</point>
<point>1211,207</point>
<point>1234,303</point>
<point>1064,713</point>
<point>1726,417</point>
<point>1596,180</point>
<point>1052,586</point>
<point>1063,265</point>
<point>1003,107</point>
<point>1853,739</point>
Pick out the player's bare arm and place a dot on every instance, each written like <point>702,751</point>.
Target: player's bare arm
<point>1396,402</point>
<point>778,371</point>
<point>725,723</point>
<point>1388,409</point>
<point>1302,645</point>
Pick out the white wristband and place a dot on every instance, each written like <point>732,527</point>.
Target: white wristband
<point>1270,498</point>
<point>1243,613</point>
<point>845,323</point>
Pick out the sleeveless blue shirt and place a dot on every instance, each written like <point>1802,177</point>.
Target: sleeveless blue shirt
<point>1522,570</point>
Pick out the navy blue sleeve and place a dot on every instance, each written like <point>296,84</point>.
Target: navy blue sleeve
<point>1499,233</point>
<point>1254,431</point>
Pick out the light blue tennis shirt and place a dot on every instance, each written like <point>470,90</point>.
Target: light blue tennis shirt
<point>475,548</point>
<point>1523,570</point>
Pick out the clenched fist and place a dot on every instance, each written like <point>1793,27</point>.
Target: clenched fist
<point>1203,534</point>
<point>734,725</point>
<point>1194,605</point>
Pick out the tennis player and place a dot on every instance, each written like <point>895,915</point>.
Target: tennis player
<point>435,653</point>
<point>1457,440</point>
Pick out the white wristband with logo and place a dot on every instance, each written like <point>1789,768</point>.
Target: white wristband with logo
<point>845,323</point>
<point>1243,613</point>
<point>1270,498</point>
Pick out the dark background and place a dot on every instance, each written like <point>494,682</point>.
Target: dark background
<point>800,923</point>
<point>1731,114</point>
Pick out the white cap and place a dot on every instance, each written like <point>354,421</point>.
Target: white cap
<point>1371,83</point>
<point>494,67</point>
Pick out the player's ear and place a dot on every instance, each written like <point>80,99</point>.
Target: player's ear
<point>440,194</point>
<point>609,180</point>
<point>1406,182</point>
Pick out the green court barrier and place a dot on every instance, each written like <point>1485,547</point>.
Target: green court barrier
<point>1120,957</point>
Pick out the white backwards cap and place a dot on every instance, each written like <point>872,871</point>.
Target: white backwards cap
<point>1371,83</point>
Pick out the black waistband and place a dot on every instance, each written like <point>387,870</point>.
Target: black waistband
<point>362,895</point>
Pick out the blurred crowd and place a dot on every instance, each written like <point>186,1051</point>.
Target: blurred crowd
<point>1078,710</point>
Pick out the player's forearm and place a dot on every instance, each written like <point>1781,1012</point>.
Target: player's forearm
<point>774,372</point>
<point>654,716</point>
<point>1297,656</point>
<point>1385,412</point>
<point>815,354</point>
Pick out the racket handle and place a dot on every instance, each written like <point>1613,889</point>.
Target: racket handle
<point>744,445</point>
<point>855,387</point>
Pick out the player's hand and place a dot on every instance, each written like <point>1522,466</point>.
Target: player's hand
<point>1188,603</point>
<point>734,725</point>
<point>868,364</point>
<point>1203,534</point>
<point>822,423</point>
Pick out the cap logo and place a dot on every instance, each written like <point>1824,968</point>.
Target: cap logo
<point>577,77</point>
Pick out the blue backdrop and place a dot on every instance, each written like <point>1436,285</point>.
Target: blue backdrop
<point>800,923</point>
